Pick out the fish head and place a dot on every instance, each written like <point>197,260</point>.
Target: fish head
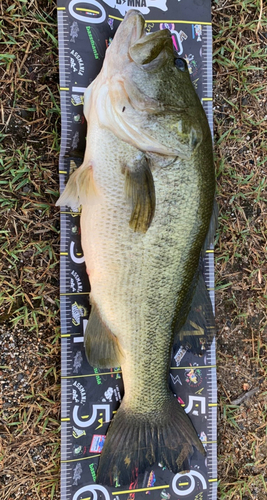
<point>134,46</point>
<point>148,65</point>
<point>144,93</point>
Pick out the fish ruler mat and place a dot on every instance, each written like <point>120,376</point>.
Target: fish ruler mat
<point>90,396</point>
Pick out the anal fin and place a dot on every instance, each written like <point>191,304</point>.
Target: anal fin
<point>101,346</point>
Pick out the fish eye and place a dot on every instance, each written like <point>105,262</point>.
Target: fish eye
<point>180,63</point>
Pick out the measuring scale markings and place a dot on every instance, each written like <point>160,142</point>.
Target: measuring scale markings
<point>81,42</point>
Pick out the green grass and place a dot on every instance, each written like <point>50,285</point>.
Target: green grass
<point>240,52</point>
<point>29,247</point>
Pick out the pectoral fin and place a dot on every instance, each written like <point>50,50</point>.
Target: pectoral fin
<point>140,190</point>
<point>101,346</point>
<point>78,188</point>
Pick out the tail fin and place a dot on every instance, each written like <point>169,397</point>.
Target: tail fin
<point>136,441</point>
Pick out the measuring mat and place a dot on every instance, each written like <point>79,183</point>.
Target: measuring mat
<point>90,396</point>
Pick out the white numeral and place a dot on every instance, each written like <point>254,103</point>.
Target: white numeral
<point>86,423</point>
<point>198,400</point>
<point>84,19</point>
<point>192,484</point>
<point>92,488</point>
<point>77,260</point>
<point>79,339</point>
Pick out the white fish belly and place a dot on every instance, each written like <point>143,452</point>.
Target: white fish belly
<point>136,278</point>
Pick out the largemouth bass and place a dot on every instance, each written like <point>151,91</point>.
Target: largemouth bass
<point>146,187</point>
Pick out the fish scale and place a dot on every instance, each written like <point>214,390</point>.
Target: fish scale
<point>101,230</point>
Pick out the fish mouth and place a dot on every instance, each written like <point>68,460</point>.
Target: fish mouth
<point>148,50</point>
